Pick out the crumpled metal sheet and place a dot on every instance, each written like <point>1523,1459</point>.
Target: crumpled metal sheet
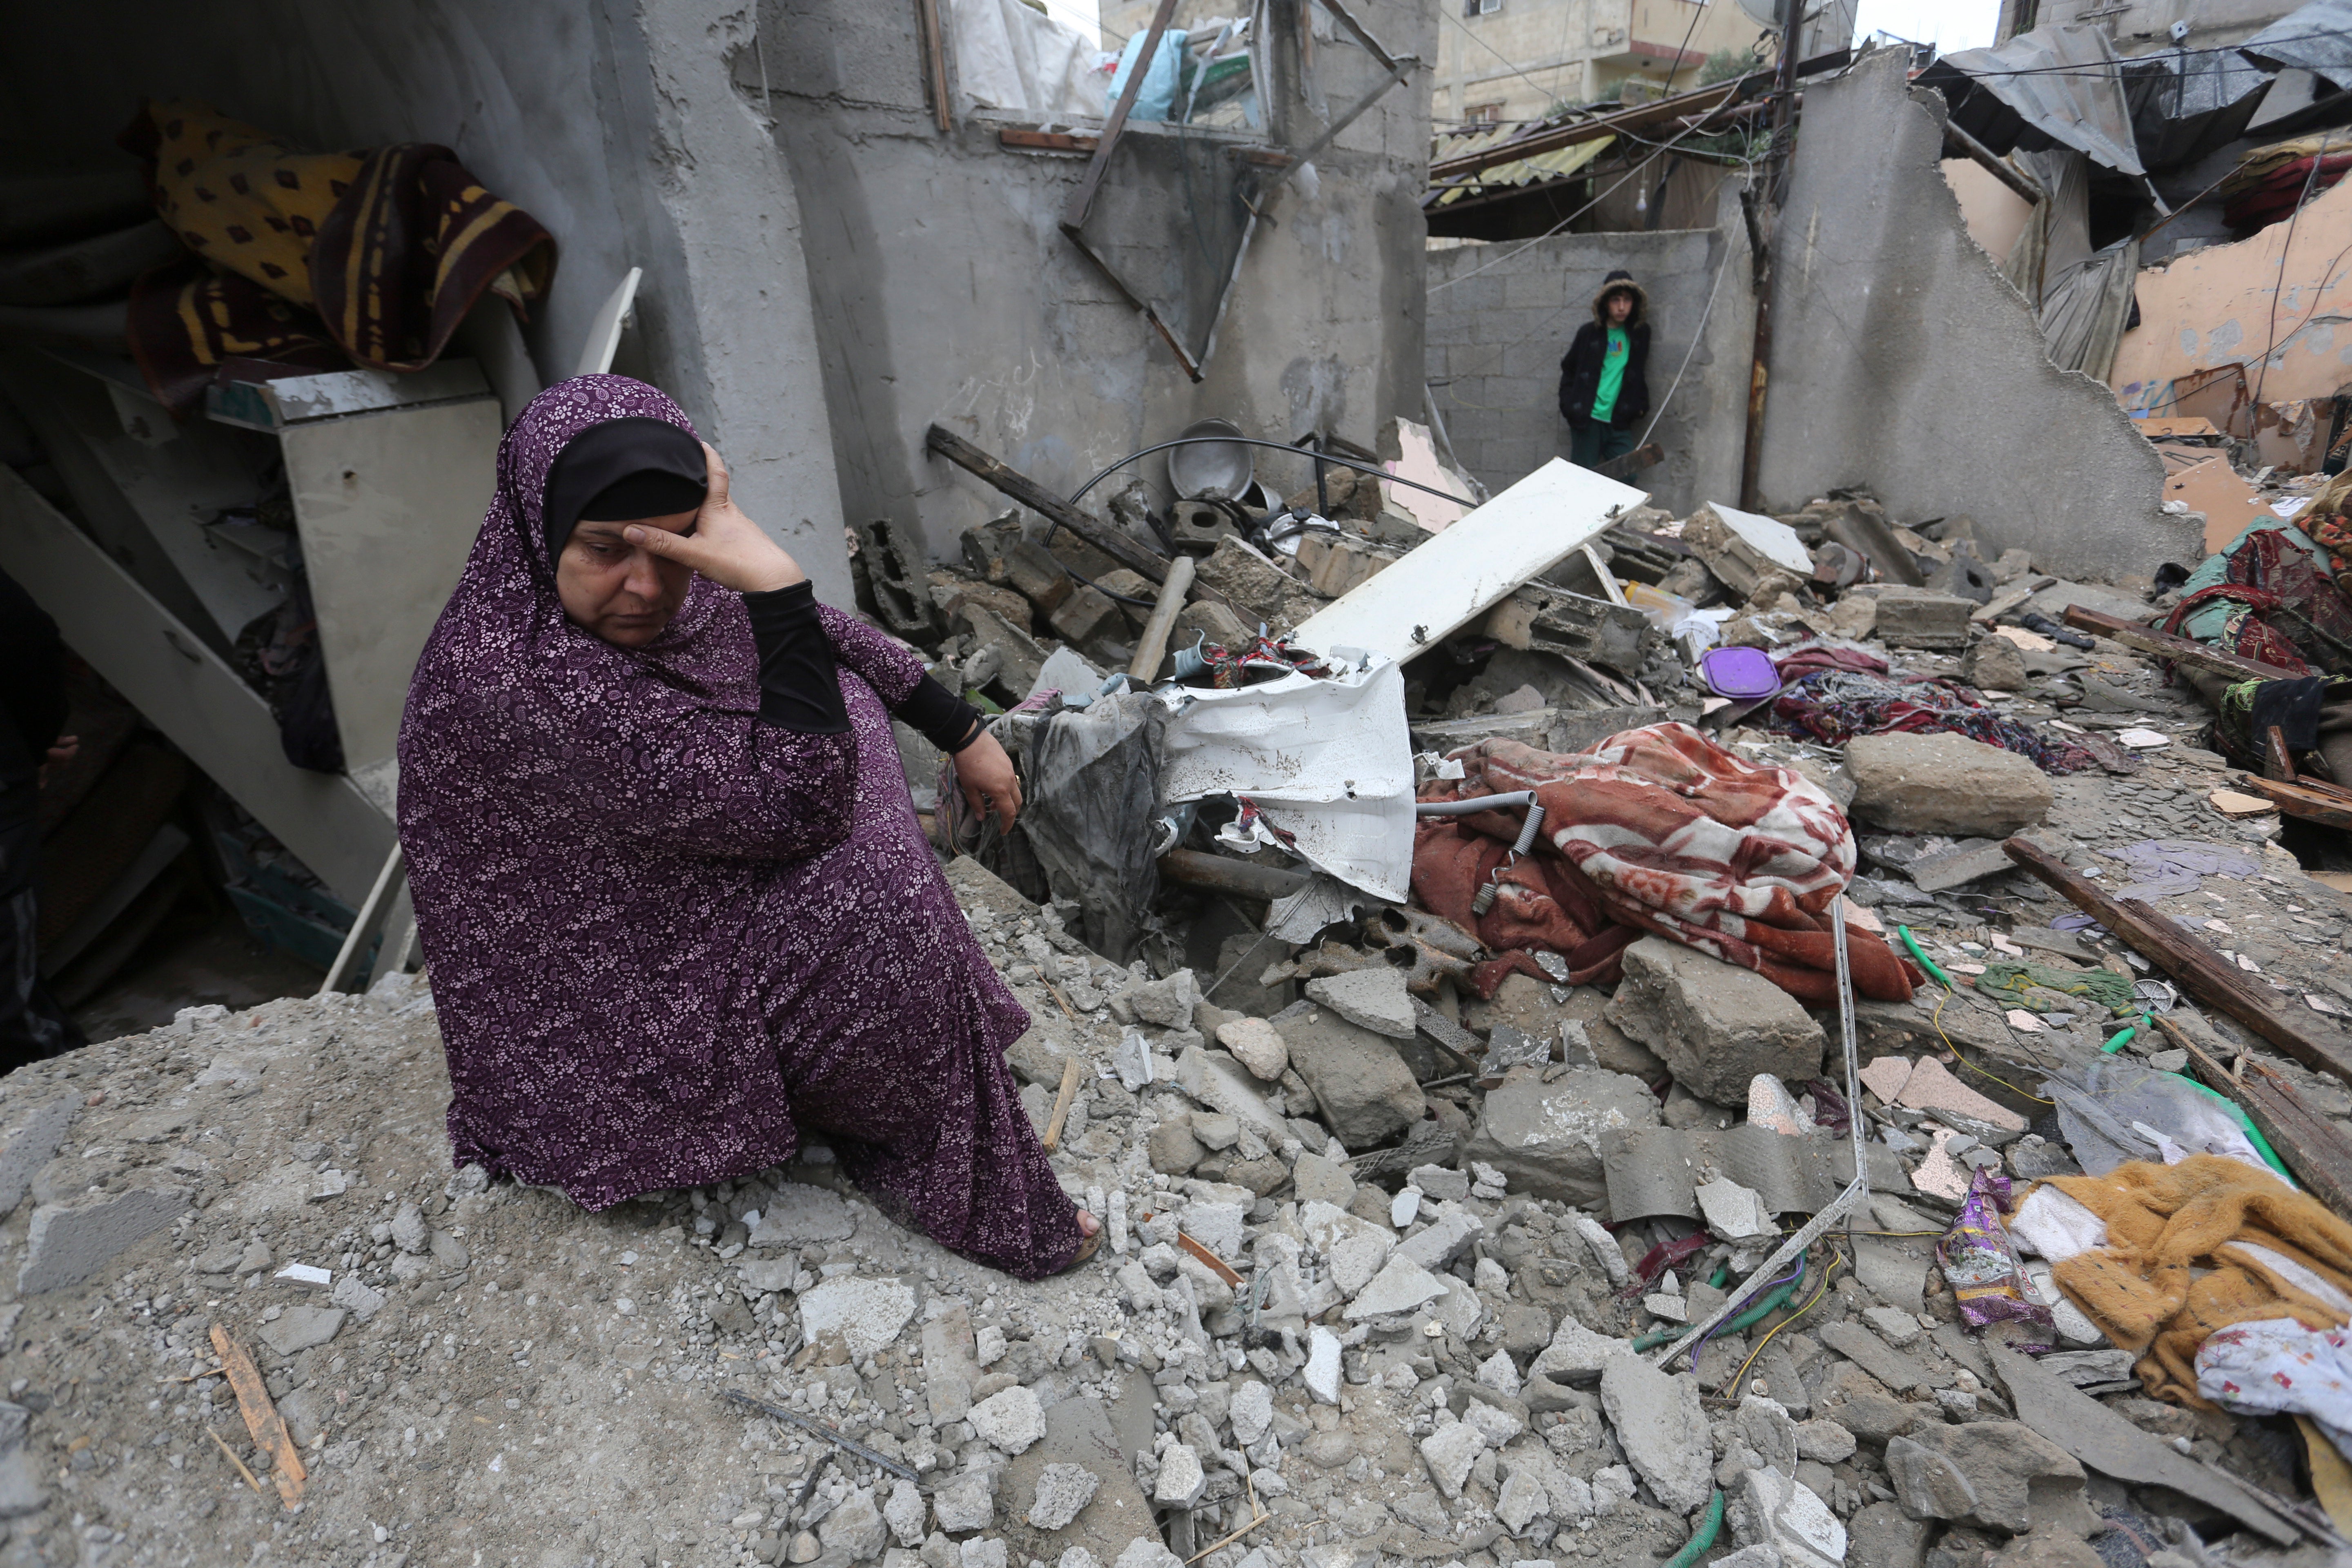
<point>2059,86</point>
<point>2185,104</point>
<point>2316,38</point>
<point>1654,1171</point>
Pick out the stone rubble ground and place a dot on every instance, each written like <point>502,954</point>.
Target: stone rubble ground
<point>1431,1367</point>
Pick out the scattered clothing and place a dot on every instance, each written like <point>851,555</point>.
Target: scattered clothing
<point>2274,1365</point>
<point>2198,1246</point>
<point>670,933</point>
<point>314,260</point>
<point>2167,868</point>
<point>2014,983</point>
<point>2290,706</point>
<point>1835,705</point>
<point>1657,830</point>
<point>2272,595</point>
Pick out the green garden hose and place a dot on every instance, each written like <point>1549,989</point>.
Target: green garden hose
<point>1701,1540</point>
<point>1912,943</point>
<point>1773,1298</point>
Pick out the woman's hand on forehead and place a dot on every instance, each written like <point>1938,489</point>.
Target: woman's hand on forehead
<point>722,543</point>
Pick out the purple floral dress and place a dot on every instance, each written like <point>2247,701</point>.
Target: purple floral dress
<point>667,937</point>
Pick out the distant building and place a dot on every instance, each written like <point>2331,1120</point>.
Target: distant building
<point>2140,26</point>
<point>1505,60</point>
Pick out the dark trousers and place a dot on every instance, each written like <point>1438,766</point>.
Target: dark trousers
<point>32,1025</point>
<point>1589,444</point>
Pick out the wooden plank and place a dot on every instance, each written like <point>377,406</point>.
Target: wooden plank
<point>261,1417</point>
<point>2328,807</point>
<point>1633,462</point>
<point>2278,763</point>
<point>2180,650</point>
<point>2204,974</point>
<point>2008,599</point>
<point>1706,100</point>
<point>1047,140</point>
<point>935,61</point>
<point>2315,1149</point>
<point>1069,1091</point>
<point>1984,158</point>
<point>1046,504</point>
<point>1082,200</point>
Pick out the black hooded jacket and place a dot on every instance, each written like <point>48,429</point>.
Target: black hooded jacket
<point>1579,368</point>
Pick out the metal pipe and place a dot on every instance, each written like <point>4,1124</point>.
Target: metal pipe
<point>1377,472</point>
<point>1223,874</point>
<point>1475,804</point>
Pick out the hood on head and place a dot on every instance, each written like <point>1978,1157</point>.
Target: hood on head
<point>1617,281</point>
<point>549,422</point>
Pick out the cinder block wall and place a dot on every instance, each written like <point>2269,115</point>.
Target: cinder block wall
<point>1501,315</point>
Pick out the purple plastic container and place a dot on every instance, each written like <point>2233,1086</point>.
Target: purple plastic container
<point>1738,673</point>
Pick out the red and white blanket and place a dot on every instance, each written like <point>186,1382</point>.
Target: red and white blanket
<point>1656,830</point>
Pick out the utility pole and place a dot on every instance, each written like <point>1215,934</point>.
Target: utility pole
<point>1763,208</point>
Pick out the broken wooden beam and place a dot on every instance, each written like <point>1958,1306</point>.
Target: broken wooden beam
<point>2314,1148</point>
<point>1223,874</point>
<point>2304,799</point>
<point>2179,649</point>
<point>1631,463</point>
<point>2204,974</point>
<point>1992,163</point>
<point>1046,140</point>
<point>1110,541</point>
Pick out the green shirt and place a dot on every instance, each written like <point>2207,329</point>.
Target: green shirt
<point>1612,375</point>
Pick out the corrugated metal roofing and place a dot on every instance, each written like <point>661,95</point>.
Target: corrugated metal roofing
<point>1528,170</point>
<point>2056,86</point>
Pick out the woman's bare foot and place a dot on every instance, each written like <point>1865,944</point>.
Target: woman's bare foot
<point>1090,1242</point>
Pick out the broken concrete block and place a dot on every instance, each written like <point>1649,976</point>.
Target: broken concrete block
<point>1365,1090</point>
<point>1576,1351</point>
<point>1087,614</point>
<point>1774,1509</point>
<point>1917,617</point>
<point>1253,584</point>
<point>302,1328</point>
<point>2000,1475</point>
<point>1374,998</point>
<point>1257,1046</point>
<point>1546,1137</point>
<point>968,1501</point>
<point>1336,563</point>
<point>1017,657</point>
<point>1862,1404</point>
<point>1062,1491</point>
<point>1449,1452</point>
<point>1031,570</point>
<point>1181,1481</point>
<point>1994,663</point>
<point>1400,1286</point>
<point>799,1214</point>
<point>951,592</point>
<point>1945,784</point>
<point>31,1146</point>
<point>1166,1003</point>
<point>72,1241</point>
<point>1715,1025</point>
<point>1011,1419</point>
<point>1970,860</point>
<point>1206,620</point>
<point>1662,1429</point>
<point>867,1312</point>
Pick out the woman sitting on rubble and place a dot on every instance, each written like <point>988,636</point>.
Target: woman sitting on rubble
<point>674,899</point>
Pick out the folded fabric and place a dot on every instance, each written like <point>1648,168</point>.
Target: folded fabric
<point>2196,1248</point>
<point>1657,830</point>
<point>2276,1365</point>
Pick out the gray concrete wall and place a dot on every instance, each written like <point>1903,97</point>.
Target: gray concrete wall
<point>945,290</point>
<point>614,124</point>
<point>1501,315</point>
<point>1902,360</point>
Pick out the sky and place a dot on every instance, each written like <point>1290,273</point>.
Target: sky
<point>1948,24</point>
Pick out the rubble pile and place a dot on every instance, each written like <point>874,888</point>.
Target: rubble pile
<point>1415,1260</point>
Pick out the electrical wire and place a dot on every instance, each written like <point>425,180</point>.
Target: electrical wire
<point>1837,1261</point>
<point>2278,285</point>
<point>1697,332</point>
<point>1596,201</point>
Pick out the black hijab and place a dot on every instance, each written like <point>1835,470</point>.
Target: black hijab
<point>621,470</point>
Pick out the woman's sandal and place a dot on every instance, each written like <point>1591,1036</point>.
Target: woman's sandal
<point>1088,1247</point>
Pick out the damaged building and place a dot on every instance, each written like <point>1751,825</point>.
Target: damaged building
<point>1772,996</point>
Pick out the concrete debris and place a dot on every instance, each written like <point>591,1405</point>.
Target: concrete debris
<point>1375,999</point>
<point>1660,1429</point>
<point>2000,1475</point>
<point>1715,1025</point>
<point>1945,784</point>
<point>1545,1137</point>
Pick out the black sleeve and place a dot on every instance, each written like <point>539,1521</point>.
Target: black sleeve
<point>798,688</point>
<point>942,718</point>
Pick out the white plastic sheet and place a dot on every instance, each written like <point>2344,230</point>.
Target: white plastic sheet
<point>1326,762</point>
<point>1010,57</point>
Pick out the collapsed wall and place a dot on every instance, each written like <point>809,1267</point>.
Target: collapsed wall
<point>946,291</point>
<point>1500,317</point>
<point>1903,361</point>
